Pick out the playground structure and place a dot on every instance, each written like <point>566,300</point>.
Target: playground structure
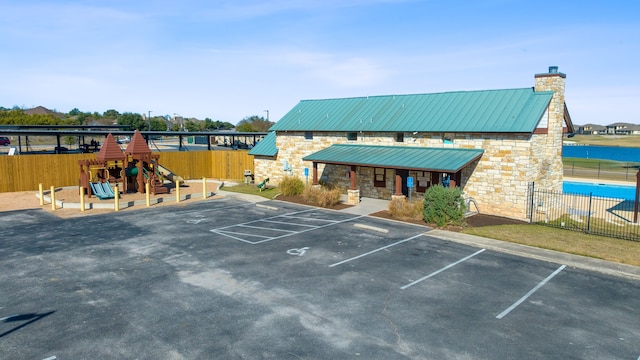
<point>133,169</point>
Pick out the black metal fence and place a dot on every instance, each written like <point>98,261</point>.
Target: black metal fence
<point>599,169</point>
<point>584,212</point>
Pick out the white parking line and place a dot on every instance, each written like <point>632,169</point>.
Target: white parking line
<point>443,269</point>
<point>315,228</point>
<point>374,251</point>
<point>229,231</point>
<point>522,299</point>
<point>312,219</point>
<point>262,227</point>
<point>288,223</point>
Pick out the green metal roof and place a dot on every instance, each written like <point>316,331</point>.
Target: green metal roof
<point>397,157</point>
<point>496,111</point>
<point>266,146</point>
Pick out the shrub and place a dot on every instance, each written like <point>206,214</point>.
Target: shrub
<point>321,196</point>
<point>291,185</point>
<point>443,206</point>
<point>404,210</point>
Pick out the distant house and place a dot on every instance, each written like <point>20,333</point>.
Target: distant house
<point>621,128</point>
<point>493,144</point>
<point>591,129</point>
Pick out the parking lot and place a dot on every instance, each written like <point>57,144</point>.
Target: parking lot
<point>230,279</point>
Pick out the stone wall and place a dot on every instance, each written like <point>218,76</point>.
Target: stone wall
<point>498,181</point>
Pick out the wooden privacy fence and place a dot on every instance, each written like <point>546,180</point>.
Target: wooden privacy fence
<point>25,172</point>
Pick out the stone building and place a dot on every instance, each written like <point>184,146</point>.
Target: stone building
<point>493,144</point>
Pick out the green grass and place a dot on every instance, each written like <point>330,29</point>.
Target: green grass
<point>252,189</point>
<point>571,242</point>
<point>600,169</point>
<point>606,140</point>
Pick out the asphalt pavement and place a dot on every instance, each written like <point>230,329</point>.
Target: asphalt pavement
<point>246,278</point>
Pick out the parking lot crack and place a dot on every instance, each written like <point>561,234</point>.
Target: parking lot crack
<point>395,328</point>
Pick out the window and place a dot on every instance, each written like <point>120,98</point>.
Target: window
<point>352,136</point>
<point>379,178</point>
<point>308,135</point>
<point>422,180</point>
<point>399,137</point>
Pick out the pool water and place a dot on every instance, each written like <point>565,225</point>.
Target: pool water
<point>601,190</point>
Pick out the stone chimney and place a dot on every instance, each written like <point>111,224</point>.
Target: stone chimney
<point>548,135</point>
<point>553,81</point>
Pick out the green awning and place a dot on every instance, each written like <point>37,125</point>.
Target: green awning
<point>397,157</point>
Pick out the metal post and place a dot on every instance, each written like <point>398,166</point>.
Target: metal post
<point>53,198</point>
<point>41,194</point>
<point>589,216</point>
<point>532,188</point>
<point>149,120</point>
<point>635,205</point>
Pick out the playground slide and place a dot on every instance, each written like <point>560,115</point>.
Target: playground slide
<point>108,190</point>
<point>102,190</point>
<point>168,174</point>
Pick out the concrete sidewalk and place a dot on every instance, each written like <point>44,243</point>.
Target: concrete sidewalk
<point>367,206</point>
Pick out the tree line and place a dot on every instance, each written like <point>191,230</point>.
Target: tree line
<point>18,116</point>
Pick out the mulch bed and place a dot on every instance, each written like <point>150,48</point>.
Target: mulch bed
<point>477,220</point>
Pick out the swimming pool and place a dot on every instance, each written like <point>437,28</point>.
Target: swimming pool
<point>601,190</point>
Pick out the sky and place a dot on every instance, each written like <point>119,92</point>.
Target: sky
<point>230,59</point>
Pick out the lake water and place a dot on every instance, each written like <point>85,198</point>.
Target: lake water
<point>601,152</point>
<point>601,190</point>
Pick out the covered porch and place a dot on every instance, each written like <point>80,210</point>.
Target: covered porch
<point>388,168</point>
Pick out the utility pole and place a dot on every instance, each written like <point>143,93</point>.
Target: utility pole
<point>149,120</point>
<point>267,111</point>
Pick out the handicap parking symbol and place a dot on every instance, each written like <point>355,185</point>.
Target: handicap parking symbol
<point>298,252</point>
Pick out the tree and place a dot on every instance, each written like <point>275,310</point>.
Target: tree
<point>18,117</point>
<point>74,112</point>
<point>254,124</point>
<point>158,124</point>
<point>135,121</point>
<point>69,140</point>
<point>191,125</point>
<point>111,114</point>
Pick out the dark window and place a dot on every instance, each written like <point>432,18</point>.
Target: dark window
<point>308,135</point>
<point>379,177</point>
<point>352,136</point>
<point>422,180</point>
<point>399,137</point>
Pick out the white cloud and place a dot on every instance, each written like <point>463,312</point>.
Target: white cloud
<point>341,70</point>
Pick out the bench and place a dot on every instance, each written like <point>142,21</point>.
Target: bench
<point>263,184</point>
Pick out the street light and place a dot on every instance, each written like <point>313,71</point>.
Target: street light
<point>149,120</point>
